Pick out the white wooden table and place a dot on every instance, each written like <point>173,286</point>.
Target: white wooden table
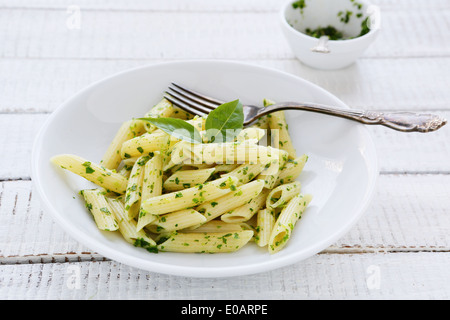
<point>400,249</point>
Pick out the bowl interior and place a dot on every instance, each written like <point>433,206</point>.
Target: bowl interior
<point>340,173</point>
<point>345,15</point>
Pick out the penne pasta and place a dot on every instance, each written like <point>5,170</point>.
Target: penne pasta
<point>246,172</point>
<point>279,131</point>
<point>240,196</point>
<point>184,179</point>
<point>128,164</point>
<point>281,195</point>
<point>264,226</point>
<point>128,227</point>
<point>128,130</point>
<point>222,153</point>
<point>151,187</point>
<point>134,188</point>
<point>100,209</point>
<point>273,167</point>
<point>190,197</point>
<point>286,221</point>
<point>217,226</point>
<point>204,242</point>
<point>291,170</point>
<point>163,190</point>
<point>176,221</point>
<point>146,144</point>
<point>247,210</point>
<point>251,133</point>
<point>95,173</point>
<point>165,109</point>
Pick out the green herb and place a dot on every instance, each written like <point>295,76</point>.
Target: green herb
<point>176,127</point>
<point>300,4</point>
<point>225,121</point>
<point>105,210</point>
<point>89,169</point>
<point>364,27</point>
<point>330,31</point>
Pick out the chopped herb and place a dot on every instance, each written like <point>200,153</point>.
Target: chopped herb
<point>89,169</point>
<point>105,210</point>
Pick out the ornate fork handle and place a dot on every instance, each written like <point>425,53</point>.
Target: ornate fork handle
<point>401,121</point>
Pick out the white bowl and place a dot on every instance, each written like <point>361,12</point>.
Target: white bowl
<point>334,54</point>
<point>340,174</point>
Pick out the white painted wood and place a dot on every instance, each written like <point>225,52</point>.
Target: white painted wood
<point>381,84</point>
<point>254,6</point>
<point>324,276</point>
<point>407,212</point>
<point>405,232</point>
<point>194,35</point>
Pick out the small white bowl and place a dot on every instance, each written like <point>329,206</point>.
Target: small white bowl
<point>329,54</point>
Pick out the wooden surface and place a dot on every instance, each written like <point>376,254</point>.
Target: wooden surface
<point>400,249</point>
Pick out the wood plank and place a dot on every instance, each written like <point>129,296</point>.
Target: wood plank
<point>378,84</point>
<point>324,276</point>
<point>408,213</point>
<point>397,152</point>
<point>235,6</point>
<point>139,35</point>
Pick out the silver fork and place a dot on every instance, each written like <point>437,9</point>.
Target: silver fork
<point>200,104</point>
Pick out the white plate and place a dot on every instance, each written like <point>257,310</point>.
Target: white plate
<point>341,172</point>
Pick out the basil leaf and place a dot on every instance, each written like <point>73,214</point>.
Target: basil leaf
<point>176,127</point>
<point>224,123</point>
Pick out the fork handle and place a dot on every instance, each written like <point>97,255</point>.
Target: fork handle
<point>400,121</point>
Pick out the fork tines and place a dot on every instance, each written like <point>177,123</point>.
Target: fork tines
<point>191,101</point>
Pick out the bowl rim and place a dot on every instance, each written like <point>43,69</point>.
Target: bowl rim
<point>282,14</point>
<point>194,271</point>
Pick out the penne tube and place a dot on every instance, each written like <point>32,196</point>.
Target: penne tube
<point>152,178</point>
<point>248,210</point>
<point>165,109</point>
<point>100,209</point>
<point>264,226</point>
<point>128,227</point>
<point>204,242</point>
<point>151,187</point>
<point>128,130</point>
<point>246,172</point>
<point>190,197</point>
<point>176,221</point>
<point>251,133</point>
<point>281,195</point>
<point>222,153</point>
<point>95,173</point>
<point>291,170</point>
<point>146,144</point>
<point>134,188</point>
<point>217,226</point>
<point>128,164</point>
<point>279,130</point>
<point>240,196</point>
<point>272,169</point>
<point>225,168</point>
<point>184,179</point>
<point>286,221</point>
